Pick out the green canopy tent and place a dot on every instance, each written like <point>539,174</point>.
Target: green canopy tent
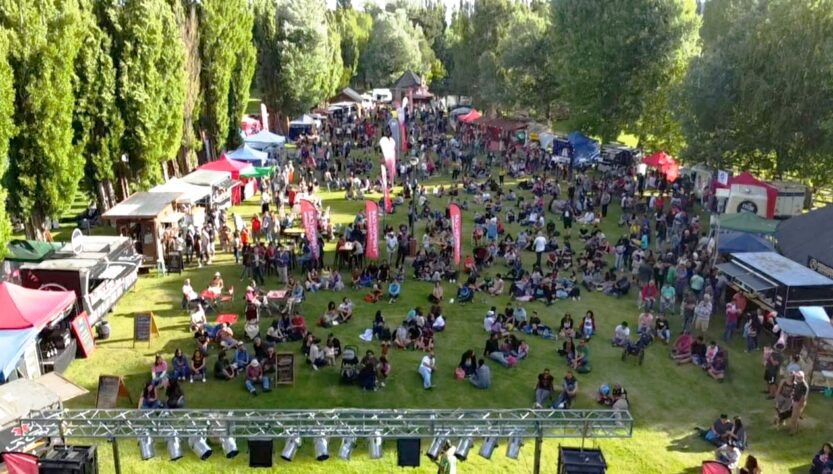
<point>31,251</point>
<point>257,172</point>
<point>749,223</point>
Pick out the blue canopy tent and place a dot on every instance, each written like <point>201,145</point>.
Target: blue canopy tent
<point>302,126</point>
<point>14,343</point>
<point>731,241</point>
<point>265,139</point>
<point>585,149</point>
<point>249,155</point>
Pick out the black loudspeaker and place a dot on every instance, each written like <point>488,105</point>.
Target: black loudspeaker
<point>581,461</point>
<point>407,450</point>
<point>70,460</point>
<point>260,452</point>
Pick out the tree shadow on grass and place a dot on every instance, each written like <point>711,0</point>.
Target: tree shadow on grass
<point>801,469</point>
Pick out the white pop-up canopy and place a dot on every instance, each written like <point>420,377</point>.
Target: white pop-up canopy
<point>265,139</point>
<point>191,193</point>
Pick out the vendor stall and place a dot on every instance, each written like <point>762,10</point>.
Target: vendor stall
<point>304,125</point>
<point>26,251</point>
<point>223,187</point>
<point>237,189</point>
<point>265,140</point>
<point>146,217</point>
<point>99,269</point>
<point>815,252</point>
<point>39,323</point>
<point>249,155</point>
<point>812,338</point>
<point>777,283</point>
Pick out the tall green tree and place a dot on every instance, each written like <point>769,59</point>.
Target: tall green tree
<point>241,84</point>
<point>761,96</point>
<point>7,130</point>
<point>394,48</point>
<point>294,55</point>
<point>44,170</point>
<point>354,29</point>
<point>151,84</point>
<point>614,55</point>
<point>96,117</point>
<point>187,19</point>
<point>225,36</point>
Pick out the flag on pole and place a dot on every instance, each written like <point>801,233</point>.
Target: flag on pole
<point>388,146</point>
<point>310,218</point>
<point>388,205</point>
<point>456,230</point>
<point>372,242</point>
<point>264,116</point>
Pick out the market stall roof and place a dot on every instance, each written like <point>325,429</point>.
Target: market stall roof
<point>793,233</point>
<point>20,397</point>
<point>584,147</point>
<point>257,172</point>
<point>462,110</point>
<point>249,155</point>
<point>818,320</point>
<point>304,121</point>
<point>232,167</point>
<point>781,269</point>
<point>142,205</point>
<point>746,178</point>
<point>264,139</point>
<point>735,242</point>
<point>14,343</point>
<point>22,308</point>
<point>407,80</point>
<point>31,250</point>
<point>190,192</point>
<point>748,222</point>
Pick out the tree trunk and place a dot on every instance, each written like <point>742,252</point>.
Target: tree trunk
<point>101,197</point>
<point>164,165</point>
<point>111,194</point>
<point>34,226</point>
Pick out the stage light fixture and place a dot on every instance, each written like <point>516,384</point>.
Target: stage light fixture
<point>322,452</point>
<point>489,445</point>
<point>436,447</point>
<point>174,448</point>
<point>290,448</point>
<point>146,448</point>
<point>200,447</point>
<point>346,449</point>
<point>513,449</point>
<point>374,446</point>
<point>463,448</point>
<point>229,446</point>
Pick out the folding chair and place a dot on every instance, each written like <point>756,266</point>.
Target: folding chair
<point>227,299</point>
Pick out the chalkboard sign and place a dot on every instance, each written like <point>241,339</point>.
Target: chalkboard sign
<point>110,388</point>
<point>285,373</point>
<point>144,327</point>
<point>84,334</point>
<point>173,262</point>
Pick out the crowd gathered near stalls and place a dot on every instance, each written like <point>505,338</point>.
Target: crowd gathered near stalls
<point>662,257</point>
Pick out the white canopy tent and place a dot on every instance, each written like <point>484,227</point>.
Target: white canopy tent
<point>265,139</point>
<point>191,193</point>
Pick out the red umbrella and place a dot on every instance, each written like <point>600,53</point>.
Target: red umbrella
<point>659,160</point>
<point>470,117</point>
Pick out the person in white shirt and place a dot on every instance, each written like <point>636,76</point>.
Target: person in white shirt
<point>391,243</point>
<point>265,199</point>
<point>489,320</point>
<point>426,369</point>
<point>439,323</point>
<point>622,335</point>
<point>189,295</point>
<point>539,245</point>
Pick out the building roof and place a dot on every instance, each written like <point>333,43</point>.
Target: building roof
<point>407,80</point>
<point>352,94</point>
<point>142,205</point>
<point>782,269</point>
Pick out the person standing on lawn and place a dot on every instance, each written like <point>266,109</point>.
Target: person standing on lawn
<point>771,369</point>
<point>426,369</point>
<point>800,392</point>
<point>539,245</point>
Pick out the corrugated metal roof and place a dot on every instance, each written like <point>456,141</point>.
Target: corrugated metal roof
<point>142,205</point>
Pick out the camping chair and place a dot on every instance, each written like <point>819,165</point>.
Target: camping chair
<point>227,299</point>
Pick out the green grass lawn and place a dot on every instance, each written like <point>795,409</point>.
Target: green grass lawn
<point>666,400</point>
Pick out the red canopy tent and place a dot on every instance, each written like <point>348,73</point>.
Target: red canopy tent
<point>470,117</point>
<point>22,308</point>
<point>664,163</point>
<point>747,179</point>
<point>225,164</point>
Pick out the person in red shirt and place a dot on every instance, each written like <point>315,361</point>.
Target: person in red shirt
<point>649,295</point>
<point>256,227</point>
<point>291,196</point>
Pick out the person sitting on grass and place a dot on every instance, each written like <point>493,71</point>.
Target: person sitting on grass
<point>717,368</point>
<point>645,323</point>
<point>544,388</point>
<point>728,455</point>
<point>197,366</point>
<point>269,362</point>
<point>622,335</point>
<point>482,377</point>
<point>468,363</point>
<point>181,367</point>
<point>698,352</point>
<point>298,327</point>
<point>588,325</point>
<point>493,351</point>
<point>465,294</point>
<point>149,399</point>
<point>367,372</point>
<point>439,324</point>
<point>719,433</point>
<point>425,342</point>
<point>498,286</point>
<point>241,357</point>
<point>569,391</point>
<point>203,339</point>
<point>823,460</point>
<point>522,351</point>
<point>401,339</point>
<point>176,397</point>
<point>159,371</point>
<point>436,295</point>
<point>225,336</point>
<point>662,330</point>
<point>383,369</point>
<point>426,369</point>
<point>394,288</point>
<point>681,352</point>
<point>345,310</point>
<point>330,317</point>
<point>580,360</point>
<point>198,319</point>
<point>254,375</point>
<point>223,370</point>
<point>315,356</point>
<point>274,333</point>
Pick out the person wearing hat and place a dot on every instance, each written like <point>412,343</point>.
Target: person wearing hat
<point>799,398</point>
<point>241,357</point>
<point>254,375</point>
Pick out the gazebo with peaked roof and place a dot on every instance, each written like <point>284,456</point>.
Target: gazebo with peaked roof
<point>410,84</point>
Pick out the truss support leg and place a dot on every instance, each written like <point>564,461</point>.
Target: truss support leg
<point>536,466</point>
<point>116,460</point>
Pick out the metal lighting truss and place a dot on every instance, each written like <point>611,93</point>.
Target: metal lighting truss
<point>523,423</point>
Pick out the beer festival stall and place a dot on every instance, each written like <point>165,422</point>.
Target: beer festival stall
<point>145,217</point>
<point>231,180</point>
<point>98,269</point>
<point>812,339</point>
<point>39,331</point>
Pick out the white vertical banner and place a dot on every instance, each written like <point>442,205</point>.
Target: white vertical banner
<point>723,177</point>
<point>264,116</point>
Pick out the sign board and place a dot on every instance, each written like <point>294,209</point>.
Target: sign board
<point>819,266</point>
<point>238,222</point>
<point>285,373</point>
<point>144,327</point>
<point>110,388</point>
<point>83,333</point>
